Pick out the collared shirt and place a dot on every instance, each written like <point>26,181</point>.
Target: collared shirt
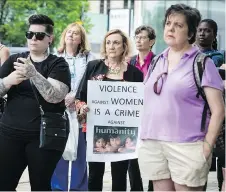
<point>175,115</point>
<point>147,62</point>
<point>77,65</point>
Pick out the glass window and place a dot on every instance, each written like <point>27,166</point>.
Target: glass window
<point>153,15</point>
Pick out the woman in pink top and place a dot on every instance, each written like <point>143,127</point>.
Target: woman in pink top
<point>174,152</point>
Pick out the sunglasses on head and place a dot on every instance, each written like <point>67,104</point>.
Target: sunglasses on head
<point>38,35</point>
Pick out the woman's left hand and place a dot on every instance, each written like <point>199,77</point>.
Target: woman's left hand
<point>27,69</point>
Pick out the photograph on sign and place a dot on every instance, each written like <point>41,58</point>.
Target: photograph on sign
<point>108,139</point>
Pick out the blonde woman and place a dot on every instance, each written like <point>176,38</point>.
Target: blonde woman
<point>74,48</point>
<point>113,67</point>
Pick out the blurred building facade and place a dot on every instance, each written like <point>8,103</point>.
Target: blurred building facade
<point>151,12</point>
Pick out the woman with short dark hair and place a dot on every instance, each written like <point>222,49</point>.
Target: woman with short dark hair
<point>176,148</point>
<point>21,120</point>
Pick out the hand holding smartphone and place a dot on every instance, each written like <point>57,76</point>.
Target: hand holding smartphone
<point>19,61</point>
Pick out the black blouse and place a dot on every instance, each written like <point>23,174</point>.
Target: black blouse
<point>97,70</point>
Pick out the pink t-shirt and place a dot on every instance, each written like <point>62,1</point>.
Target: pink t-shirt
<point>147,62</point>
<point>175,115</point>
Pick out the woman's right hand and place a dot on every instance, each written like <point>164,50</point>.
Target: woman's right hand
<point>13,78</point>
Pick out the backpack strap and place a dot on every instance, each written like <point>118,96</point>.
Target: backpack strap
<point>154,62</point>
<point>133,60</point>
<point>223,53</point>
<point>198,69</point>
<point>152,67</point>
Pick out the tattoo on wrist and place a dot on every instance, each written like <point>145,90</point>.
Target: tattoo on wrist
<point>31,71</point>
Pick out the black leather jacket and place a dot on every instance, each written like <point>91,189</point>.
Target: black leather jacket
<point>96,69</point>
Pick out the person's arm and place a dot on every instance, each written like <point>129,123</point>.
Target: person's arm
<point>8,77</point>
<point>3,88</point>
<point>216,104</point>
<point>6,83</point>
<point>52,90</point>
<point>213,87</point>
<point>4,54</point>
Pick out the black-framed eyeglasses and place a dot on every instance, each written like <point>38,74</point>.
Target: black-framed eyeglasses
<point>38,35</point>
<point>159,83</point>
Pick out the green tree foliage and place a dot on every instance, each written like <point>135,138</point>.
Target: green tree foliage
<point>15,13</point>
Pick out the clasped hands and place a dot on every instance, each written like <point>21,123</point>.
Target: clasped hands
<point>26,68</point>
<point>23,71</point>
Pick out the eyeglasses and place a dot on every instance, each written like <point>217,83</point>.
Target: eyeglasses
<point>38,35</point>
<point>140,37</point>
<point>159,83</point>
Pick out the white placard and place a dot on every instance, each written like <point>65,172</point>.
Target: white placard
<point>113,120</point>
<point>120,19</point>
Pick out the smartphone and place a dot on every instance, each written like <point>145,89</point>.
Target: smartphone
<point>19,61</point>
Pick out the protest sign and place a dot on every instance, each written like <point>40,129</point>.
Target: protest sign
<point>113,120</point>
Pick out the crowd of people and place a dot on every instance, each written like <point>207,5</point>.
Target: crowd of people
<point>182,127</point>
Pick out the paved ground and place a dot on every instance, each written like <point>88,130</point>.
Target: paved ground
<point>25,186</point>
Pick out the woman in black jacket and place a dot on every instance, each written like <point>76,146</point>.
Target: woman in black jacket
<point>115,49</point>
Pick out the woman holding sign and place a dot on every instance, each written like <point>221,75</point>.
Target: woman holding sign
<point>113,67</point>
